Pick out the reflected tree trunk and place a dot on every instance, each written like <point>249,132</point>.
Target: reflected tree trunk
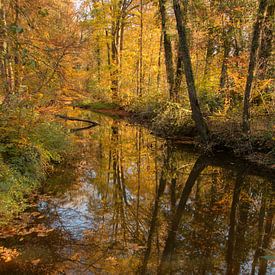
<point>260,231</point>
<point>139,136</point>
<point>153,223</point>
<point>198,167</point>
<point>167,169</point>
<point>268,233</point>
<point>119,218</point>
<point>241,229</point>
<point>233,224</point>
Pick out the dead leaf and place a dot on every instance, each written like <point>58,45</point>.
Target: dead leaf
<point>36,262</point>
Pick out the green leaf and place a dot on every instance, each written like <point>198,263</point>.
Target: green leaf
<point>16,29</point>
<point>43,12</point>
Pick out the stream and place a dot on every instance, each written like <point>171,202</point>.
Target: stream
<point>130,202</point>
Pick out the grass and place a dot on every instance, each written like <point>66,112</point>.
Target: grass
<point>96,105</point>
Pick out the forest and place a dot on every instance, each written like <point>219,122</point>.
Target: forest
<point>137,136</point>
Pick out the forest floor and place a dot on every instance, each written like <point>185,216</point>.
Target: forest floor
<point>225,134</point>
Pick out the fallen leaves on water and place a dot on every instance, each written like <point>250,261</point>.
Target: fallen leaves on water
<point>25,229</point>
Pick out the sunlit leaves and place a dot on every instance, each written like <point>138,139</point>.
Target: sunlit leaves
<point>7,255</point>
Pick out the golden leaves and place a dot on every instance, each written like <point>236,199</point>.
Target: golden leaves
<point>7,255</point>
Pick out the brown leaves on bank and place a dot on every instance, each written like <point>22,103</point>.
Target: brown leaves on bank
<point>28,223</point>
<point>7,255</point>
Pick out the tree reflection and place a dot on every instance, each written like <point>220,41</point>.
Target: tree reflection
<point>218,215</point>
<point>198,167</point>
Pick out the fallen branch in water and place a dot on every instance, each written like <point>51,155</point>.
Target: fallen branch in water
<point>93,123</point>
<point>82,129</point>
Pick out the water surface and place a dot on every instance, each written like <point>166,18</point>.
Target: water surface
<point>130,203</point>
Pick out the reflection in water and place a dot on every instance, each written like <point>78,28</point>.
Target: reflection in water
<point>137,204</point>
<point>166,258</point>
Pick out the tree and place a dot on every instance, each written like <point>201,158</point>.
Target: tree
<point>167,48</point>
<point>196,111</point>
<point>252,64</point>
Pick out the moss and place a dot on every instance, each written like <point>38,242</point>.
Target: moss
<point>96,105</point>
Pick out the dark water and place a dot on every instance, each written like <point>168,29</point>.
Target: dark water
<point>133,203</point>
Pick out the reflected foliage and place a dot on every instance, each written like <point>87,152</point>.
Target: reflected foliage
<point>133,203</point>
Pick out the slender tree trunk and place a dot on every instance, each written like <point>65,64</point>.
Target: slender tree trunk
<point>196,112</point>
<point>209,47</point>
<point>98,60</point>
<point>141,76</point>
<point>6,64</point>
<point>167,49</point>
<point>226,51</point>
<point>108,51</point>
<point>265,51</point>
<point>180,67</point>
<point>252,64</point>
<point>179,75</point>
<point>121,43</point>
<point>3,36</point>
<point>114,62</point>
<point>16,51</point>
<point>159,60</point>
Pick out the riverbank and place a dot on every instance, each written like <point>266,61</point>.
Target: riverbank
<point>174,123</point>
<point>31,145</point>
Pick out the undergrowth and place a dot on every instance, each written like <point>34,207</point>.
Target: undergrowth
<point>29,146</point>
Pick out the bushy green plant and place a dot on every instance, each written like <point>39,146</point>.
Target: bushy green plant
<point>211,102</point>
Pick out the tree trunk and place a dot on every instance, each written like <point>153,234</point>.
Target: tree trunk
<point>227,46</point>
<point>208,57</point>
<point>98,59</point>
<point>6,65</point>
<point>3,36</point>
<point>180,68</point>
<point>159,60</point>
<point>16,51</point>
<point>252,65</point>
<point>179,75</point>
<point>140,92</point>
<point>114,62</point>
<point>167,49</point>
<point>265,51</point>
<point>196,112</point>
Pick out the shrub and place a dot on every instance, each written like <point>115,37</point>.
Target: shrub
<point>173,119</point>
<point>28,147</point>
<point>146,107</point>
